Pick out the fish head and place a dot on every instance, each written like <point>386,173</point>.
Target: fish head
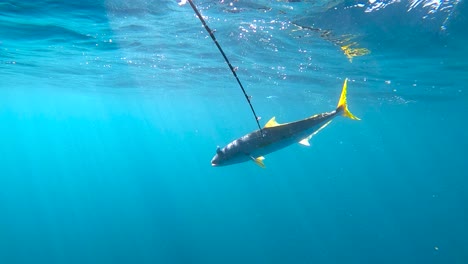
<point>227,156</point>
<point>218,157</point>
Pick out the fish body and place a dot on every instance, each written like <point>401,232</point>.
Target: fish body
<point>274,136</point>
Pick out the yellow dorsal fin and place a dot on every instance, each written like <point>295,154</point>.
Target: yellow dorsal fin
<point>271,123</point>
<point>342,103</point>
<point>259,161</point>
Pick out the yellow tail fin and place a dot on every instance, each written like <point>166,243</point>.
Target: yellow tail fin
<point>343,105</point>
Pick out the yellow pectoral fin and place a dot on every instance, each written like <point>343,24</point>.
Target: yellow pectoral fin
<point>259,161</point>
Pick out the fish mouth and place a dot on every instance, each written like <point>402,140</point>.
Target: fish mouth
<point>214,161</point>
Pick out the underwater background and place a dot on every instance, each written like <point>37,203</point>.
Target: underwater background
<point>110,112</point>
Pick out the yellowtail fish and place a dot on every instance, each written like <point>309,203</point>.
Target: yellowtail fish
<point>274,136</point>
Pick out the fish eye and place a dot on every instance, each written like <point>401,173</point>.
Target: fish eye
<point>218,151</point>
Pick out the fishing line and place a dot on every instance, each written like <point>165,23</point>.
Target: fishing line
<point>233,70</point>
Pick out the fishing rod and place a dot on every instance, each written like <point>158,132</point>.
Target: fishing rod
<point>233,70</point>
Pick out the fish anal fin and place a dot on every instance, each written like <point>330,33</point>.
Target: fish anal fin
<point>305,141</point>
<point>259,161</point>
<point>271,123</point>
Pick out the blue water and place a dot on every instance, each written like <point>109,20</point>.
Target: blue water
<point>112,110</point>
